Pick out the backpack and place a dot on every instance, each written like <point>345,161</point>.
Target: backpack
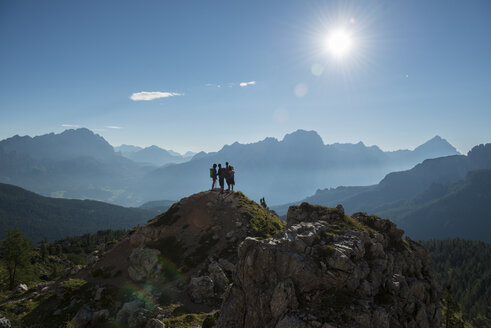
<point>211,173</point>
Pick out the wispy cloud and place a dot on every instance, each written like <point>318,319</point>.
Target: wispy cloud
<point>113,127</point>
<point>245,84</point>
<point>70,125</point>
<point>151,95</point>
<point>230,84</point>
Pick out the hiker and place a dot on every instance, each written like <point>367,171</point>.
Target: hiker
<point>227,169</point>
<point>231,177</point>
<point>222,173</point>
<point>213,175</point>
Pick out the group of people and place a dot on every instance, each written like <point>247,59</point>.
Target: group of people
<point>224,174</point>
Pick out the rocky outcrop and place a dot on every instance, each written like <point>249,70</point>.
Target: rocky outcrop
<point>184,257</point>
<point>5,323</point>
<point>331,270</point>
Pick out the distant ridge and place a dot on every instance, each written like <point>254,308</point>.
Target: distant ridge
<point>39,217</point>
<point>293,167</point>
<point>445,197</point>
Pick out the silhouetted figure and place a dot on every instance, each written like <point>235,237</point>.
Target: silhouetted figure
<point>231,177</point>
<point>227,168</point>
<point>213,175</point>
<point>222,174</point>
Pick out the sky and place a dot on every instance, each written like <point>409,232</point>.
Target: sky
<point>195,75</point>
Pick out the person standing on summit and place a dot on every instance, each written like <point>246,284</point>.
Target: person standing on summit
<point>227,177</point>
<point>231,177</point>
<point>213,175</point>
<point>222,174</point>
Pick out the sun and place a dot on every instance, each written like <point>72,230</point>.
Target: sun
<point>339,43</point>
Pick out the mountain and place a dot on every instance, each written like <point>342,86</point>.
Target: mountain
<point>158,206</point>
<point>188,154</point>
<point>285,170</point>
<point>39,217</point>
<point>461,209</point>
<point>127,149</point>
<point>67,145</point>
<point>155,156</point>
<point>73,164</point>
<point>435,147</point>
<point>440,198</point>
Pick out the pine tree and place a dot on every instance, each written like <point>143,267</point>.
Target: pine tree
<point>59,250</point>
<point>15,253</point>
<point>43,250</point>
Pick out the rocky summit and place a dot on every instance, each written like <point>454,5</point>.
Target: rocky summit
<point>222,260</point>
<point>330,270</point>
<point>185,256</point>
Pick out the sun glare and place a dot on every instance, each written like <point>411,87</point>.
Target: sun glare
<point>339,43</point>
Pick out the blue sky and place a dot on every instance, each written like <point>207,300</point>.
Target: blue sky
<point>416,69</point>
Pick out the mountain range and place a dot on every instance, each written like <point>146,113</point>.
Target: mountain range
<point>291,168</point>
<point>440,198</point>
<point>153,155</point>
<point>80,164</point>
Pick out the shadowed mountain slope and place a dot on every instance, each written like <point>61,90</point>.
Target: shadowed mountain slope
<point>444,194</point>
<point>39,217</point>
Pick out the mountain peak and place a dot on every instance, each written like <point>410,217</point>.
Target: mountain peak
<point>303,137</point>
<point>437,145</point>
<point>79,131</point>
<point>207,225</point>
<point>69,144</point>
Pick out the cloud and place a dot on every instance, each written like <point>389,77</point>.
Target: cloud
<point>245,84</point>
<point>151,95</point>
<point>113,127</point>
<point>70,125</point>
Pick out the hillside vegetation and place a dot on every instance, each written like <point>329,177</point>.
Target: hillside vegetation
<point>465,266</point>
<point>40,217</point>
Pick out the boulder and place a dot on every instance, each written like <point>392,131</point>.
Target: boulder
<point>5,323</point>
<point>219,278</point>
<point>143,262</point>
<point>21,288</point>
<point>83,317</point>
<point>201,288</point>
<point>133,314</point>
<point>98,294</point>
<point>100,316</point>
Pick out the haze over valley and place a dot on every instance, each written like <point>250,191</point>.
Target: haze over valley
<point>81,164</point>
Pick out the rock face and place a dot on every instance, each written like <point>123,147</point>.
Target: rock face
<point>331,270</point>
